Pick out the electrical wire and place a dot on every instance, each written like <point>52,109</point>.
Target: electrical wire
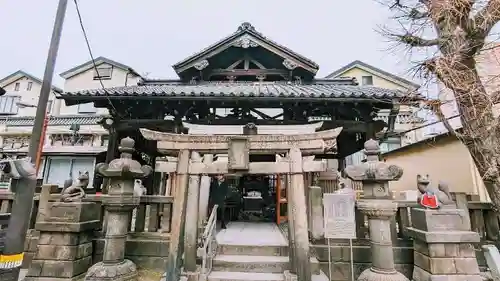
<point>92,56</point>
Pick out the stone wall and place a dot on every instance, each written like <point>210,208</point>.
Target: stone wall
<point>340,257</point>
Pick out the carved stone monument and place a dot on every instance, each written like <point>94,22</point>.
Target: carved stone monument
<point>119,202</point>
<point>442,239</point>
<point>64,250</point>
<point>378,205</point>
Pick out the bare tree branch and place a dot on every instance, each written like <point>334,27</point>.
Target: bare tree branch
<point>416,41</point>
<point>486,18</point>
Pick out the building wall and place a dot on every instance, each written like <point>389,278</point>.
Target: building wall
<point>85,81</point>
<point>445,159</point>
<point>358,73</point>
<point>29,97</point>
<point>403,120</point>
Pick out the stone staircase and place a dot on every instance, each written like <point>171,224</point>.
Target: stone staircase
<point>255,263</point>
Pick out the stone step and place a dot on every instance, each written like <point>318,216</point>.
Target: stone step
<point>252,250</point>
<point>262,264</point>
<point>255,276</point>
<point>244,276</point>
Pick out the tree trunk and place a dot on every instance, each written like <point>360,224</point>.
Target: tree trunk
<point>480,128</point>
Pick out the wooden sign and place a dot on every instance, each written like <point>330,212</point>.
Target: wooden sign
<point>340,222</point>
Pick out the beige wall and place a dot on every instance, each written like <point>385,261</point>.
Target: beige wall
<point>28,97</point>
<point>377,80</point>
<point>85,81</point>
<point>445,159</point>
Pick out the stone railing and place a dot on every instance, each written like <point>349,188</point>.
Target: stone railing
<point>148,238</point>
<point>150,217</point>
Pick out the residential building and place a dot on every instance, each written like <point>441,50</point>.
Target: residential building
<point>407,119</point>
<point>102,73</point>
<point>74,139</point>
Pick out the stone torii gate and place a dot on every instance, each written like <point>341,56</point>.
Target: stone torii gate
<point>238,148</point>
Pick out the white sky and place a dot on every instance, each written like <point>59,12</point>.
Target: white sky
<point>152,35</point>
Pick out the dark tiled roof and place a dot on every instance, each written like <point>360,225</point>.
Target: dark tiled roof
<point>53,121</point>
<point>355,63</point>
<point>25,74</point>
<point>82,67</point>
<point>246,28</point>
<point>316,90</point>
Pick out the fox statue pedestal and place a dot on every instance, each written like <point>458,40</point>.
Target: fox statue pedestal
<point>443,249</point>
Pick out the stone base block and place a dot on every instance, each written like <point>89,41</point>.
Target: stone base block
<point>442,250</point>
<point>76,278</point>
<point>372,274</point>
<point>63,252</point>
<point>124,271</point>
<point>446,265</point>
<point>439,220</point>
<point>59,269</point>
<point>420,274</point>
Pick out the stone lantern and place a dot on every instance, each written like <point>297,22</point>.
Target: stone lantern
<point>119,202</point>
<point>378,206</point>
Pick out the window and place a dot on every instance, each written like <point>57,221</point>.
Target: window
<point>16,86</point>
<point>86,108</point>
<point>49,106</point>
<point>30,85</point>
<point>390,144</point>
<point>103,72</point>
<point>59,169</point>
<point>367,81</point>
<point>8,104</point>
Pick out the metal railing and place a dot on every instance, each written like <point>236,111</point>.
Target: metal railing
<point>208,244</point>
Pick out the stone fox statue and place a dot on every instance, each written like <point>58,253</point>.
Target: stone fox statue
<point>431,197</point>
<point>72,193</point>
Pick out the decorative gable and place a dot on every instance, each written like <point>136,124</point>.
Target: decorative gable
<point>246,55</point>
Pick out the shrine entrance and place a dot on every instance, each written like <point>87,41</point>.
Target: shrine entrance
<point>189,168</point>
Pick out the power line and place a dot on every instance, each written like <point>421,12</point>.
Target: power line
<point>92,55</point>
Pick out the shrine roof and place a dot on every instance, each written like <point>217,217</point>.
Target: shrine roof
<point>53,120</point>
<point>286,91</point>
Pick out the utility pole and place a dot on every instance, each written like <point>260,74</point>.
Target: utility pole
<point>23,198</point>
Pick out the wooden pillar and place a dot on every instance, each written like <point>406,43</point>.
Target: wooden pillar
<point>302,253</point>
<point>191,229</point>
<point>178,218</point>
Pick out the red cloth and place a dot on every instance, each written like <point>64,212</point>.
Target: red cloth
<point>429,201</point>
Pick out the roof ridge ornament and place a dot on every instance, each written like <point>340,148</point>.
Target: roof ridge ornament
<point>246,26</point>
<point>246,41</point>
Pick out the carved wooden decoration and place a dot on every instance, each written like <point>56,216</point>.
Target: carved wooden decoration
<point>245,42</point>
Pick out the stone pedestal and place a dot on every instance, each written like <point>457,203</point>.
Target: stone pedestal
<point>378,206</point>
<point>64,250</point>
<point>119,203</point>
<point>443,246</point>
